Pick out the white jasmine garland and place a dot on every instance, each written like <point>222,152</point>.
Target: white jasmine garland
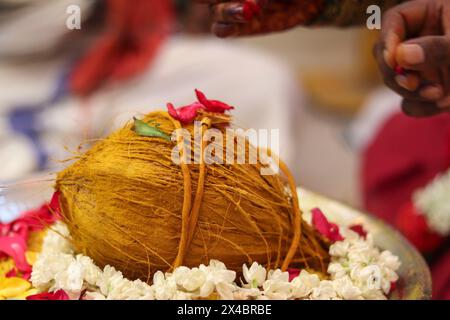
<point>434,202</point>
<point>357,270</point>
<point>255,276</point>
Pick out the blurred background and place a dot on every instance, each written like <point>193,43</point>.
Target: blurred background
<point>342,132</point>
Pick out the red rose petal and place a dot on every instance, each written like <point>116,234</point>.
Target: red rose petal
<point>324,227</point>
<point>172,111</point>
<point>57,295</point>
<point>212,105</point>
<point>293,273</point>
<point>249,9</point>
<point>399,70</point>
<point>54,205</point>
<point>393,286</point>
<point>359,229</point>
<point>187,114</point>
<point>11,273</point>
<point>184,114</point>
<point>15,247</point>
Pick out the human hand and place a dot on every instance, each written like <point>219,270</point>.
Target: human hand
<point>413,55</point>
<point>250,17</point>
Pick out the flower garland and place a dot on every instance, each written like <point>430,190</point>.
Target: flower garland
<point>433,202</point>
<point>358,270</point>
<point>19,248</point>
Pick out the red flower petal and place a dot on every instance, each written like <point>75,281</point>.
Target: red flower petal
<point>26,275</point>
<point>172,111</point>
<point>57,295</point>
<point>11,273</point>
<point>184,114</point>
<point>249,9</point>
<point>359,229</point>
<point>54,205</point>
<point>393,286</point>
<point>5,229</point>
<point>36,219</point>
<point>212,105</point>
<point>15,247</point>
<point>399,70</point>
<point>293,273</point>
<point>324,227</point>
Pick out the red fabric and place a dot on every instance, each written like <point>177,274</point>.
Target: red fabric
<point>440,272</point>
<point>413,225</point>
<point>14,235</point>
<point>405,155</point>
<point>133,33</point>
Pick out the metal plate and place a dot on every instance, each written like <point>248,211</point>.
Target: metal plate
<point>415,278</point>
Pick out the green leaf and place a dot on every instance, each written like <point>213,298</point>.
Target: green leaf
<point>144,129</point>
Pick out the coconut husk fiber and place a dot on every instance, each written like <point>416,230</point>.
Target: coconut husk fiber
<point>128,205</point>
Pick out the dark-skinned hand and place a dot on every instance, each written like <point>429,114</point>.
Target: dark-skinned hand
<point>413,55</point>
<point>241,18</point>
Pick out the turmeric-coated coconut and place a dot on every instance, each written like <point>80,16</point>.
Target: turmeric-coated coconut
<point>128,205</point>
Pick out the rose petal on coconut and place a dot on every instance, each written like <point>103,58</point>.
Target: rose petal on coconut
<point>26,275</point>
<point>293,273</point>
<point>184,114</point>
<point>172,111</point>
<point>359,229</point>
<point>324,227</point>
<point>57,295</point>
<point>212,105</point>
<point>15,247</point>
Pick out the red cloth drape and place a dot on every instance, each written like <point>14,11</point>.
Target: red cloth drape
<point>406,154</point>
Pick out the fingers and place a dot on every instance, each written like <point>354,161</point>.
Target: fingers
<point>419,109</point>
<point>444,103</point>
<point>230,17</point>
<point>406,85</point>
<point>399,23</point>
<point>432,92</point>
<point>424,53</point>
<point>210,1</point>
<point>224,30</point>
<point>229,13</point>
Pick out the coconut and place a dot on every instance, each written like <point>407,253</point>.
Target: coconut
<point>129,205</point>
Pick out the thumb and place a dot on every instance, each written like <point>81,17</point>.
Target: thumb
<point>424,52</point>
